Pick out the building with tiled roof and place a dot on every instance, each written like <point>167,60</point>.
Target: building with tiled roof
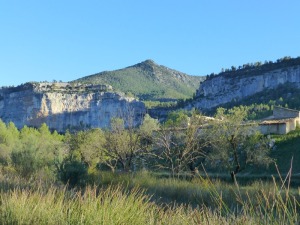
<point>282,121</point>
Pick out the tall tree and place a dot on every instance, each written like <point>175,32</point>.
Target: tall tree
<point>87,147</point>
<point>126,146</point>
<point>236,142</point>
<point>9,139</point>
<point>38,152</point>
<point>122,145</point>
<point>177,148</point>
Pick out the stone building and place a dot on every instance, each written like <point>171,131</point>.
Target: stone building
<point>282,121</point>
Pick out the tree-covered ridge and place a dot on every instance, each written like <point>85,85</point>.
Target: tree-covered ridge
<point>257,68</point>
<point>148,81</point>
<point>175,147</point>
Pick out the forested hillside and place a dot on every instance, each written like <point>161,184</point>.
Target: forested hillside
<point>148,81</point>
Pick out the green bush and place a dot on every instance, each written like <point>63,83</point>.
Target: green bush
<point>73,172</point>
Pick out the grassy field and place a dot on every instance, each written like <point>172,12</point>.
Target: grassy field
<point>287,151</point>
<point>143,198</point>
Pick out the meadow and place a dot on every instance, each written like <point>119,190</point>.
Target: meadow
<point>144,198</point>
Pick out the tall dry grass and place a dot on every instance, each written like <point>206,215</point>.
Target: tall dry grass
<point>145,199</point>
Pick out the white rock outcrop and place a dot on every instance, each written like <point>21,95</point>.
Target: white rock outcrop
<point>223,89</point>
<point>64,109</point>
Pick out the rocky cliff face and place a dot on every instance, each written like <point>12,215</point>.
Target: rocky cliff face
<point>63,107</point>
<point>223,89</point>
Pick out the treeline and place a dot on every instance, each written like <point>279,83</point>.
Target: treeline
<point>249,69</point>
<point>182,144</point>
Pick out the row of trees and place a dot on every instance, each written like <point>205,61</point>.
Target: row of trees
<point>181,144</point>
<point>258,67</point>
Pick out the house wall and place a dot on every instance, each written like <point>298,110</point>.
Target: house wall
<point>284,120</point>
<point>279,128</point>
<point>297,121</point>
<point>279,112</point>
<point>291,125</point>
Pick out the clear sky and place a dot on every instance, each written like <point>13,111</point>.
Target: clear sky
<point>68,39</point>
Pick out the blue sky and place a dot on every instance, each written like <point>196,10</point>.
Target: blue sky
<point>66,40</point>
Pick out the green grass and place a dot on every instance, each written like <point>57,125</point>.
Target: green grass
<point>125,199</point>
<point>58,206</point>
<point>287,148</point>
<point>286,156</point>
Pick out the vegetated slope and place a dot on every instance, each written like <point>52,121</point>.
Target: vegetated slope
<point>286,156</point>
<point>148,81</point>
<point>287,152</point>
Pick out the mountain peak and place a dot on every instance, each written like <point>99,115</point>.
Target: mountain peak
<point>148,81</point>
<point>148,65</point>
<point>148,61</point>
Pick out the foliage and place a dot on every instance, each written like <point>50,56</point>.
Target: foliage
<point>87,146</point>
<point>177,119</point>
<point>236,143</point>
<point>9,140</point>
<point>149,125</point>
<point>115,198</point>
<point>179,145</point>
<point>95,149</point>
<point>159,104</point>
<point>85,153</point>
<point>126,146</point>
<point>146,130</point>
<point>122,144</point>
<point>30,152</point>
<point>73,172</point>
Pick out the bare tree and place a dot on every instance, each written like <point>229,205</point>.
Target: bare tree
<point>124,145</point>
<point>176,148</point>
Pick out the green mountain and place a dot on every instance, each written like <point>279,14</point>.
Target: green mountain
<point>148,81</point>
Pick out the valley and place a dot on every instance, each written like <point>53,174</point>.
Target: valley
<point>95,147</point>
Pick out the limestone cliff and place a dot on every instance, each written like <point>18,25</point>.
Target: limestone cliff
<point>222,89</point>
<point>66,106</point>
